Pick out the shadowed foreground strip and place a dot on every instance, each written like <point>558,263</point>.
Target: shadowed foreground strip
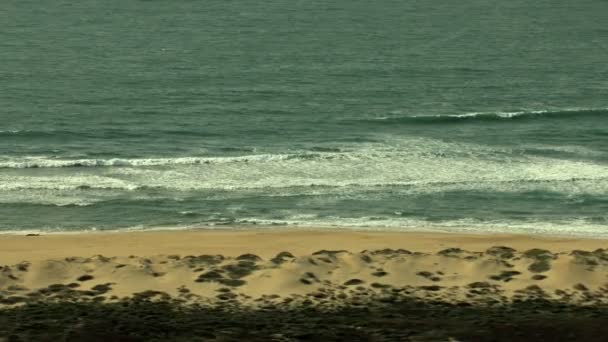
<point>406,320</point>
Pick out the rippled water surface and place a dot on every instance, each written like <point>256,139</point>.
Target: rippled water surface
<point>476,115</point>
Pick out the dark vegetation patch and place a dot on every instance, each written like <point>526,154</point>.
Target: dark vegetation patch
<point>541,259</point>
<point>100,257</point>
<point>282,257</point>
<point>149,296</point>
<point>61,292</point>
<point>505,276</point>
<point>540,266</point>
<point>232,282</point>
<point>533,291</point>
<point>217,276</point>
<point>329,253</point>
<point>249,257</point>
<point>431,287</point>
<point>16,288</point>
<point>205,259</point>
<point>389,252</point>
<point>537,253</point>
<point>240,270</point>
<point>23,266</point>
<point>425,274</point>
<point>591,259</point>
<point>501,252</point>
<point>102,288</point>
<point>429,275</point>
<point>309,278</point>
<point>380,274</point>
<point>353,282</point>
<point>366,258</point>
<point>226,296</point>
<point>451,252</point>
<point>209,276</point>
<point>56,287</point>
<point>85,277</point>
<point>13,300</point>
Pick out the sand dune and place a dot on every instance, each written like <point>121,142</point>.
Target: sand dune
<point>325,285</point>
<point>291,275</point>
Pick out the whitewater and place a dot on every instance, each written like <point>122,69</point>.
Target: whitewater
<point>387,182</point>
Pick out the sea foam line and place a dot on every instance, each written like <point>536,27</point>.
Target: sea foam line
<point>573,185</point>
<point>59,163</point>
<point>565,228</point>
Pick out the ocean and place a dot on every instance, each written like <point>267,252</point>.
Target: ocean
<point>475,116</point>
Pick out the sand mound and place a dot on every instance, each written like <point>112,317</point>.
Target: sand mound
<point>497,275</point>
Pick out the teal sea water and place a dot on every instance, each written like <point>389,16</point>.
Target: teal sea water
<point>478,115</point>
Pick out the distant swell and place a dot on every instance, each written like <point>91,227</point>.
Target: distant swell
<point>103,133</point>
<point>497,116</point>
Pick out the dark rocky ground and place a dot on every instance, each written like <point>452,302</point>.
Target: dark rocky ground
<point>140,319</point>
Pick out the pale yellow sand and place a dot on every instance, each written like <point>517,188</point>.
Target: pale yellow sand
<point>265,243</point>
<point>166,261</point>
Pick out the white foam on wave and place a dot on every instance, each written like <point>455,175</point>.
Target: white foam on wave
<point>512,114</point>
<point>88,197</point>
<point>398,167</point>
<point>63,182</point>
<point>570,149</point>
<point>573,227</point>
<point>418,163</point>
<point>502,114</point>
<point>46,162</point>
<point>457,169</point>
<point>60,198</point>
<point>506,115</point>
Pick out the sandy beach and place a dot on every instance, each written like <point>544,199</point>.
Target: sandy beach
<point>266,242</point>
<point>287,270</point>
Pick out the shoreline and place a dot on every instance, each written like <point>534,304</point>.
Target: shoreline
<point>297,227</point>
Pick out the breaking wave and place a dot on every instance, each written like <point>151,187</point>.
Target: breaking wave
<point>571,227</point>
<point>42,162</point>
<point>496,116</point>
